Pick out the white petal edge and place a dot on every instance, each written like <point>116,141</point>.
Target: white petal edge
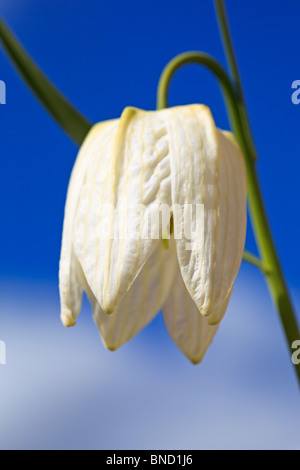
<point>207,168</point>
<point>141,303</point>
<point>69,287</point>
<point>188,329</point>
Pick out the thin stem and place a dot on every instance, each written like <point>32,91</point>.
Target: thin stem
<point>200,58</point>
<point>73,123</point>
<point>189,58</point>
<point>228,45</point>
<point>256,261</point>
<point>262,232</point>
<point>235,74</point>
<point>275,278</point>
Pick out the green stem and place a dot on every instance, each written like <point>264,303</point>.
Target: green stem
<point>74,124</point>
<point>235,74</point>
<point>228,45</point>
<point>189,58</point>
<point>270,261</point>
<point>200,58</point>
<point>275,278</point>
<point>256,261</point>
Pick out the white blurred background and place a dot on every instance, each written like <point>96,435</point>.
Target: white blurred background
<point>61,389</point>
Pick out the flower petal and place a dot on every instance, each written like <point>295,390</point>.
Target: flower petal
<point>207,169</point>
<point>141,303</point>
<point>130,172</point>
<point>69,287</point>
<point>187,327</point>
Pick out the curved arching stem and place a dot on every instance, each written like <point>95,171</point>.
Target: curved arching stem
<point>228,91</point>
<point>194,57</point>
<point>269,258</point>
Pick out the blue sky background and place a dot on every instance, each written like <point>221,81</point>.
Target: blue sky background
<point>105,56</point>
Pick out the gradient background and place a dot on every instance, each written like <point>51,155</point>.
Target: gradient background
<point>60,388</point>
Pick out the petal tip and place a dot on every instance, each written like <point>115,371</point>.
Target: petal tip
<point>66,318</point>
<point>213,321</point>
<point>111,346</point>
<point>195,360</point>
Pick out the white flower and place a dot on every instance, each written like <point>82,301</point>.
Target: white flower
<point>171,157</point>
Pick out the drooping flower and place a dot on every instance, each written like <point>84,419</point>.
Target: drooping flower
<point>174,158</point>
